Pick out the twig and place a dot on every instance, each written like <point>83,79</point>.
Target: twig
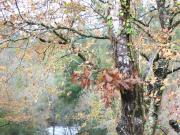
<point>174,70</point>
<point>18,10</point>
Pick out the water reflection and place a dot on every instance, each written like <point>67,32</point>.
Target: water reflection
<point>59,130</point>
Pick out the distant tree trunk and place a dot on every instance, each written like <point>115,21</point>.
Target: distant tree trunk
<point>131,121</point>
<point>53,113</point>
<point>54,129</point>
<point>160,70</point>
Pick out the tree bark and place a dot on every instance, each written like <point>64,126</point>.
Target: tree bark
<point>131,121</point>
<point>160,70</point>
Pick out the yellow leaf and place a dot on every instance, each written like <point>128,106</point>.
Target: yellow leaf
<point>166,81</point>
<point>3,68</point>
<point>153,80</point>
<point>83,125</point>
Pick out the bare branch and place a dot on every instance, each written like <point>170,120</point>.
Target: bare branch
<point>49,28</point>
<point>71,53</point>
<point>103,1</point>
<point>66,28</point>
<point>19,64</point>
<point>150,64</point>
<point>142,23</point>
<point>174,70</point>
<point>82,34</point>
<point>18,10</point>
<point>97,12</point>
<point>153,9</point>
<point>13,40</point>
<point>162,130</point>
<point>150,20</point>
<point>81,56</point>
<point>173,26</point>
<point>173,16</point>
<point>144,30</point>
<point>60,36</point>
<point>145,56</point>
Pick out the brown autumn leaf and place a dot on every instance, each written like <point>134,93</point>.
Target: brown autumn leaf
<point>75,77</point>
<point>86,72</point>
<point>85,82</point>
<point>115,71</point>
<point>124,85</point>
<point>116,93</point>
<point>108,86</point>
<point>108,78</point>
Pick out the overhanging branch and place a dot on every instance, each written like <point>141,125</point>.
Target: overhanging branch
<point>82,34</point>
<point>49,28</point>
<point>54,30</point>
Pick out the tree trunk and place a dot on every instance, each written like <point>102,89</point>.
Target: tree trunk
<point>131,121</point>
<point>160,70</point>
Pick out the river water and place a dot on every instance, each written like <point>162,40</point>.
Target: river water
<point>59,130</point>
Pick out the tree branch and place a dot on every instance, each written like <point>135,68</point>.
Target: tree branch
<point>153,9</point>
<point>43,40</point>
<point>49,28</point>
<point>142,23</point>
<point>60,36</point>
<point>101,15</point>
<point>144,30</point>
<point>150,64</point>
<point>103,1</point>
<point>162,130</point>
<point>12,40</point>
<point>173,16</point>
<point>66,28</point>
<point>174,70</point>
<point>82,34</point>
<point>145,56</point>
<point>18,10</point>
<point>150,21</point>
<point>173,26</point>
<point>78,54</point>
